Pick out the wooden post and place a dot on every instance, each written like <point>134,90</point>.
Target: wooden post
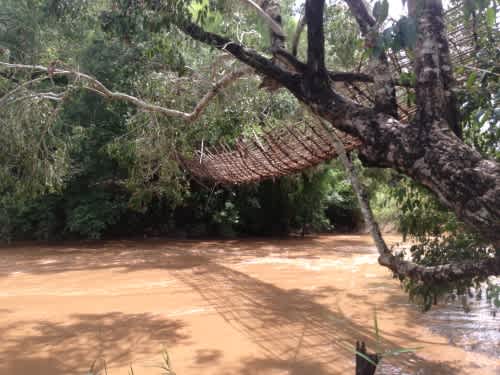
<point>363,367</point>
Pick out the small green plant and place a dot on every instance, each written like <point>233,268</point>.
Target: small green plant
<point>379,352</point>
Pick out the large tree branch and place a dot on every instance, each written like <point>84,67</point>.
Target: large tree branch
<point>433,69</point>
<point>462,179</point>
<point>384,85</point>
<point>401,267</point>
<point>97,87</point>
<point>315,37</point>
<point>441,274</point>
<point>261,64</point>
<point>335,76</point>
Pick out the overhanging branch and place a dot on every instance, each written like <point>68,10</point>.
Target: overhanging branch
<point>435,98</point>
<point>403,268</point>
<point>261,64</point>
<point>97,87</point>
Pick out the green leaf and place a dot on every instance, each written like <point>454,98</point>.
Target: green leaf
<point>377,331</point>
<point>381,11</point>
<point>471,80</point>
<point>401,351</point>
<point>365,357</point>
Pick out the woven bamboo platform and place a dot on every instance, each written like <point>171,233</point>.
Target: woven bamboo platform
<point>291,149</point>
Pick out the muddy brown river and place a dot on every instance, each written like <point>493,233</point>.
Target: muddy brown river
<point>242,307</point>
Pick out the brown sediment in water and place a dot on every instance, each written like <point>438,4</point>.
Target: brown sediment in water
<point>241,307</point>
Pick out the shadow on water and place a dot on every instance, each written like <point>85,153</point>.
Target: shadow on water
<point>48,348</point>
<point>296,334</point>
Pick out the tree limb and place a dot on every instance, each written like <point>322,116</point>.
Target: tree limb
<point>441,274</point>
<point>401,267</point>
<point>433,70</point>
<point>335,76</point>
<point>97,87</point>
<point>384,85</point>
<point>315,36</point>
<point>261,64</point>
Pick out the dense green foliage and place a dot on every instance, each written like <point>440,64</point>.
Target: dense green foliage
<point>88,168</point>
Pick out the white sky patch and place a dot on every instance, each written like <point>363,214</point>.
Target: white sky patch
<point>397,9</point>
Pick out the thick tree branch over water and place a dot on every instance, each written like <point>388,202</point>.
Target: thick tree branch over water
<point>463,180</point>
<point>403,268</point>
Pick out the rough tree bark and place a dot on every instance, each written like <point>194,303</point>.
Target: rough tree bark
<point>428,150</point>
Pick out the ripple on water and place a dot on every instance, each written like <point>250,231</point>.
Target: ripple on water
<point>477,330</point>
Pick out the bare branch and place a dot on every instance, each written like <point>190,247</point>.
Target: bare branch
<point>57,97</point>
<point>97,87</point>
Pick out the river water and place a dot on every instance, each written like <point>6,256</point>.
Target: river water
<point>243,307</point>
